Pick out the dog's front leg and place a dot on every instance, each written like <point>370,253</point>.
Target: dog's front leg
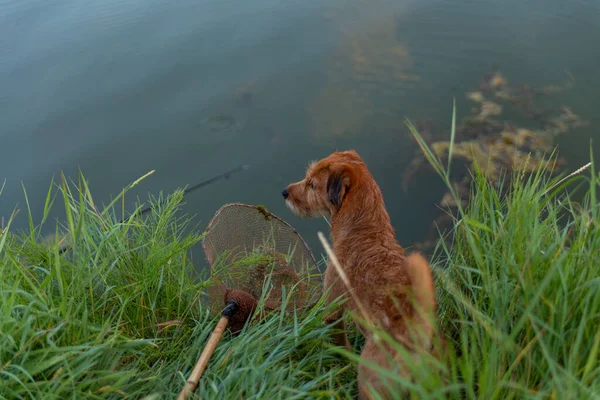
<point>336,288</point>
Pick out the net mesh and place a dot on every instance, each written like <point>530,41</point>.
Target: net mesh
<point>250,248</point>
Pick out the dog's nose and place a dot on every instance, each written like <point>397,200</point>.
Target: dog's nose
<point>285,193</point>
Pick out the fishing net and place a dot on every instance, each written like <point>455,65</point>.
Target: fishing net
<point>249,248</point>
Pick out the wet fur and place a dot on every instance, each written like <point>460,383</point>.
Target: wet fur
<point>388,282</point>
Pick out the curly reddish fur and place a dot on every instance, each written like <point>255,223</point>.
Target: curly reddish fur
<point>396,289</point>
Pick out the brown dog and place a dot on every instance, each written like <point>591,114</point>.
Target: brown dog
<point>397,290</point>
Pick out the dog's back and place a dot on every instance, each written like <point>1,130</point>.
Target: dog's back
<point>398,290</point>
<point>407,311</point>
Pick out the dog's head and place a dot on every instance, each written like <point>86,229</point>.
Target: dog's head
<point>325,186</point>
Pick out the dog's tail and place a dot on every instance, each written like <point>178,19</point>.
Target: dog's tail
<point>423,291</point>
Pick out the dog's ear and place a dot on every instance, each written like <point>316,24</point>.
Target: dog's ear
<point>338,183</point>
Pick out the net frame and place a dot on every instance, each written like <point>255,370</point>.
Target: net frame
<point>260,261</point>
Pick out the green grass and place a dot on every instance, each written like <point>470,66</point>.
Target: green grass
<point>520,289</point>
<point>121,314</point>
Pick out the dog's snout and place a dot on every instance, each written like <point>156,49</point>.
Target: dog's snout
<point>285,193</point>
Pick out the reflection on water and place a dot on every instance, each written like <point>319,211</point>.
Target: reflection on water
<point>194,88</point>
<point>366,69</point>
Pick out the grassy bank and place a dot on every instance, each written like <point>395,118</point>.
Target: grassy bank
<point>120,315</point>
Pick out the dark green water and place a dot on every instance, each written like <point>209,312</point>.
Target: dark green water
<point>193,88</point>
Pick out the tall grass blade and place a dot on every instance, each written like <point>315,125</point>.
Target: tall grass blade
<point>452,137</point>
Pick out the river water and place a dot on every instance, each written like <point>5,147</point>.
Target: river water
<point>192,88</point>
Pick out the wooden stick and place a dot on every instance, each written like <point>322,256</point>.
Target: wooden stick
<point>192,382</point>
<point>215,337</point>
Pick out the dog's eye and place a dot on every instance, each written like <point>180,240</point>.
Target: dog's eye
<point>311,184</point>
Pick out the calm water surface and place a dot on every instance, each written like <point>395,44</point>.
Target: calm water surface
<point>193,88</point>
